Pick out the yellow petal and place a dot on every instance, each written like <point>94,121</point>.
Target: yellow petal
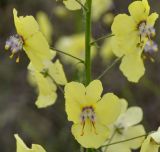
<point>132,132</point>
<point>108,108</point>
<point>76,91</point>
<point>124,105</point>
<point>149,146</point>
<point>74,96</point>
<point>152,19</point>
<point>91,138</point>
<point>38,148</point>
<point>94,91</point>
<point>21,147</point>
<point>38,51</point>
<point>25,26</point>
<point>156,136</point>
<point>132,66</point>
<point>118,148</point>
<point>139,10</point>
<point>121,46</point>
<point>129,118</point>
<point>125,22</point>
<point>57,72</point>
<point>45,25</point>
<point>46,88</point>
<point>44,101</point>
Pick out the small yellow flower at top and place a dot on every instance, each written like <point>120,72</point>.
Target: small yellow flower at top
<point>73,4</point>
<point>29,38</point>
<point>90,113</point>
<point>126,127</point>
<point>21,146</point>
<point>132,38</point>
<point>45,25</point>
<point>152,142</point>
<point>46,82</point>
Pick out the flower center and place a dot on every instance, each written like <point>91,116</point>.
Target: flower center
<point>88,114</point>
<point>15,45</point>
<point>146,30</point>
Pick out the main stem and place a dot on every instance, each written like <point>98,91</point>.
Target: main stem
<point>87,41</point>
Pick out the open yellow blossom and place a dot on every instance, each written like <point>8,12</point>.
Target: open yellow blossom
<point>90,113</point>
<point>45,25</point>
<point>47,83</point>
<point>74,45</point>
<point>133,33</point>
<point>21,146</point>
<point>127,126</point>
<point>30,39</point>
<point>73,4</point>
<point>99,7</point>
<point>152,142</point>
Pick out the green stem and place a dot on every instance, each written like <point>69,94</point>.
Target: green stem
<point>101,38</point>
<point>108,68</point>
<point>118,142</point>
<point>59,51</point>
<point>87,41</point>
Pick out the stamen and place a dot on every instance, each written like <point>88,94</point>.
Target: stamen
<point>150,47</point>
<point>93,123</point>
<point>14,44</point>
<point>146,30</point>
<point>83,125</point>
<point>11,56</point>
<point>88,114</point>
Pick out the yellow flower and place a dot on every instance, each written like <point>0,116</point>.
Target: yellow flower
<point>127,126</point>
<point>21,146</point>
<point>99,7</point>
<point>90,113</point>
<point>73,4</point>
<point>30,39</point>
<point>131,35</point>
<point>45,25</point>
<point>152,142</point>
<point>74,45</point>
<point>47,85</point>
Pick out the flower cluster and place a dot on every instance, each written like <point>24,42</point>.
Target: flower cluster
<point>99,121</point>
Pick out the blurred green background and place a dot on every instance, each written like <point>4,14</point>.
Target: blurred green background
<point>49,127</point>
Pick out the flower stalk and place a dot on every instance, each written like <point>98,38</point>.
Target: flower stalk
<point>87,41</point>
